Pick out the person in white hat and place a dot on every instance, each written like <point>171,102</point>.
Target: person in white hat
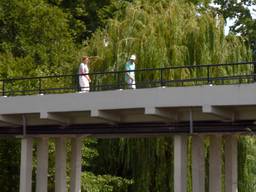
<point>130,74</point>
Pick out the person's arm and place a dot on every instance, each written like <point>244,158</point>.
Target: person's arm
<point>88,78</point>
<point>81,70</point>
<point>128,69</point>
<point>86,72</point>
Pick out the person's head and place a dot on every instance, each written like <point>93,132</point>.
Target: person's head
<point>85,59</point>
<point>133,57</point>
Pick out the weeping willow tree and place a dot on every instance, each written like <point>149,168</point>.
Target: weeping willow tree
<point>247,164</point>
<point>161,34</point>
<point>164,34</point>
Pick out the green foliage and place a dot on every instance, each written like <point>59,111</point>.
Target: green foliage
<point>85,17</point>
<point>166,34</point>
<point>89,181</point>
<point>9,164</point>
<point>35,39</point>
<point>147,161</point>
<point>244,23</point>
<point>98,183</point>
<point>247,164</point>
<point>239,10</point>
<point>103,183</point>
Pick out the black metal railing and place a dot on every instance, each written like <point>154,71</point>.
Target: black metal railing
<point>213,74</point>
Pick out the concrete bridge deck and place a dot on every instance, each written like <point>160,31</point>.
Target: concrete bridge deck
<point>197,112</point>
<point>163,110</point>
<point>142,112</point>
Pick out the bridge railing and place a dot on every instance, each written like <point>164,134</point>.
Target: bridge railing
<point>213,74</point>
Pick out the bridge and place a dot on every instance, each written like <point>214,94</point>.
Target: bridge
<point>216,105</point>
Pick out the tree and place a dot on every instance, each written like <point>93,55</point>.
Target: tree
<point>244,24</point>
<point>161,34</point>
<point>35,39</point>
<point>9,164</point>
<point>85,17</point>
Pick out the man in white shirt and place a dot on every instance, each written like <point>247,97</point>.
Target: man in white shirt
<point>84,78</point>
<point>130,76</point>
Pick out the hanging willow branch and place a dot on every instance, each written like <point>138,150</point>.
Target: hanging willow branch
<point>161,34</point>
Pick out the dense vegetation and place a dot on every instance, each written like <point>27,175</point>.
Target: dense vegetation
<point>40,37</point>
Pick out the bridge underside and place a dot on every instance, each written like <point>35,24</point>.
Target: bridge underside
<point>135,129</point>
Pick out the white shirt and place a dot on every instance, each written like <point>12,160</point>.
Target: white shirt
<point>83,69</point>
<point>83,81</point>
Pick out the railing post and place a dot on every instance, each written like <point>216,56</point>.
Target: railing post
<point>78,88</point>
<point>94,76</point>
<point>118,81</point>
<point>254,71</point>
<point>161,77</point>
<point>3,88</point>
<point>12,92</point>
<point>208,74</point>
<point>240,80</point>
<point>91,85</point>
<point>40,88</point>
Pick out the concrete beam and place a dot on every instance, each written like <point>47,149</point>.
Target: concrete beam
<point>26,165</point>
<point>215,164</point>
<point>198,164</point>
<point>231,164</point>
<point>76,157</point>
<point>180,163</point>
<point>217,112</point>
<point>160,113</point>
<point>42,165</point>
<point>14,121</point>
<point>106,116</point>
<point>60,165</point>
<point>53,117</point>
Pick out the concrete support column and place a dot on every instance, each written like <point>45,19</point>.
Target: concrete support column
<point>60,165</point>
<point>42,165</point>
<point>231,164</point>
<point>75,165</point>
<point>215,164</point>
<point>198,164</point>
<point>26,165</point>
<point>180,163</point>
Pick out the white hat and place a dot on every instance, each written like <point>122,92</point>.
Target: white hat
<point>133,57</point>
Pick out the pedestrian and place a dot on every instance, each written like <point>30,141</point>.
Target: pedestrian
<point>84,78</point>
<point>130,74</point>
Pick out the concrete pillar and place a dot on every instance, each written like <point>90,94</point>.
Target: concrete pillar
<point>60,165</point>
<point>198,164</point>
<point>26,164</point>
<point>215,164</point>
<point>180,163</point>
<point>231,164</point>
<point>42,165</point>
<point>75,165</point>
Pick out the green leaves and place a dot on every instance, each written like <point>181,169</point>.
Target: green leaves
<point>244,23</point>
<point>170,33</point>
<point>37,38</point>
<point>103,183</point>
<point>36,35</point>
<point>9,164</point>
